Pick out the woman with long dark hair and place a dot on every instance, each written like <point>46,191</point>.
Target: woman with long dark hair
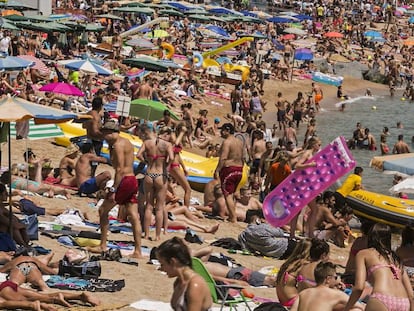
<point>378,264</point>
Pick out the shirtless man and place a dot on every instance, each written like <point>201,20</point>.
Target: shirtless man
<point>235,99</point>
<point>67,166</point>
<point>125,189</point>
<point>93,125</point>
<point>87,183</point>
<point>316,89</point>
<point>246,202</point>
<point>400,146</point>
<point>238,121</point>
<point>281,104</point>
<point>230,167</point>
<point>326,291</point>
<point>145,90</point>
<point>258,148</point>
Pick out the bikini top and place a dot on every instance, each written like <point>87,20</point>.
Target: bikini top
<point>177,148</point>
<point>156,156</point>
<point>396,272</point>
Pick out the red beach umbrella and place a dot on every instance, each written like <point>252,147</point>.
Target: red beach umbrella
<point>333,34</point>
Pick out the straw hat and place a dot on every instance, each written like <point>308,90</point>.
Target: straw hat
<point>71,149</point>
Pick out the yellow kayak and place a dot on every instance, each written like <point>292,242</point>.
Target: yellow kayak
<point>200,169</point>
<point>382,208</point>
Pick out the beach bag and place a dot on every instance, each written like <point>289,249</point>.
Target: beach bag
<point>270,306</point>
<point>32,226</point>
<point>88,269</point>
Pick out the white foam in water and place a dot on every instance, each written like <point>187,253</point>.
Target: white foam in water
<point>353,100</point>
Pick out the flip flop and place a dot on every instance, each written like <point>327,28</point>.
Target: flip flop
<point>129,261</point>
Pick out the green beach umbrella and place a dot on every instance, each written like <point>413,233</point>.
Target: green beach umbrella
<point>135,9</point>
<point>147,63</point>
<point>39,131</point>
<point>149,109</point>
<point>9,25</point>
<point>170,12</point>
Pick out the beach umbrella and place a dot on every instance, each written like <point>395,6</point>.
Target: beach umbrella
<point>372,34</point>
<point>85,65</point>
<point>219,30</point>
<point>17,5</point>
<point>196,11</point>
<point>109,16</point>
<point>12,63</point>
<point>147,63</point>
<point>157,33</point>
<point>78,18</point>
<point>279,20</point>
<point>289,36</point>
<point>15,17</point>
<point>247,13</point>
<point>295,31</point>
<point>39,131</point>
<point>149,109</point>
<point>135,9</point>
<point>409,42</point>
<point>170,12</point>
<point>62,88</point>
<point>8,25</point>
<point>94,27</point>
<point>14,109</point>
<point>303,17</point>
<point>303,54</point>
<point>221,10</point>
<point>38,64</point>
<point>333,34</point>
<point>199,17</point>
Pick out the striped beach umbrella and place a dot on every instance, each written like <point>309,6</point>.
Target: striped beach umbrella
<point>39,131</point>
<point>86,65</point>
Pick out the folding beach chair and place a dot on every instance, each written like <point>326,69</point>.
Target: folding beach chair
<point>217,290</point>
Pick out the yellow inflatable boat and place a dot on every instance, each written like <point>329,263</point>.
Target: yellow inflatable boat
<point>382,208</point>
<point>200,169</point>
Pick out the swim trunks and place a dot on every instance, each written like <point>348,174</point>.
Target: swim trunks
<point>230,177</point>
<point>318,98</point>
<point>89,186</point>
<point>127,190</point>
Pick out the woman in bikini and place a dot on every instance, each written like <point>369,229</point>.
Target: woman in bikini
<point>191,292</point>
<point>27,269</point>
<point>188,122</point>
<point>312,147</point>
<point>180,175</point>
<point>157,152</point>
<point>391,288</point>
<point>286,282</point>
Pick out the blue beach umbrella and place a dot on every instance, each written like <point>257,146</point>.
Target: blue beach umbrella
<point>302,17</point>
<point>303,54</point>
<point>87,66</point>
<point>372,34</point>
<point>11,63</point>
<point>279,20</point>
<point>218,30</point>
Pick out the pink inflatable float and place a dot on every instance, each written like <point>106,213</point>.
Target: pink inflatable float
<point>288,199</point>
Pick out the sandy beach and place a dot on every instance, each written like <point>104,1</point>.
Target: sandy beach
<point>144,281</point>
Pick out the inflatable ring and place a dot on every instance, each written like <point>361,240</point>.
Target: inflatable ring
<point>169,48</point>
<point>197,59</point>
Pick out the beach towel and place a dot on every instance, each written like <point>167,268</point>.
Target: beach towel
<point>92,285</point>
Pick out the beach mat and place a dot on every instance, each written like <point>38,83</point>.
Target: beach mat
<point>151,305</point>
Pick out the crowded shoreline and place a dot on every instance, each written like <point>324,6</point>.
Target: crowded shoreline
<point>139,269</point>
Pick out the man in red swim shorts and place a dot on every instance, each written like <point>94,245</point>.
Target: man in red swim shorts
<point>230,167</point>
<point>125,188</point>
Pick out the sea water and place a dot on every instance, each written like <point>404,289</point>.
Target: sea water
<point>372,114</point>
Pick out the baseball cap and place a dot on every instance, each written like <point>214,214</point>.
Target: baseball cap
<point>228,127</point>
<point>110,126</point>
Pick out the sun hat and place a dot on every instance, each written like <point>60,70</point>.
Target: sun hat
<point>71,149</point>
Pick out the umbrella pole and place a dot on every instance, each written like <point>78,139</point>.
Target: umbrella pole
<point>10,188</point>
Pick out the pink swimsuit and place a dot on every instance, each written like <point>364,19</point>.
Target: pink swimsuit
<point>392,303</point>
